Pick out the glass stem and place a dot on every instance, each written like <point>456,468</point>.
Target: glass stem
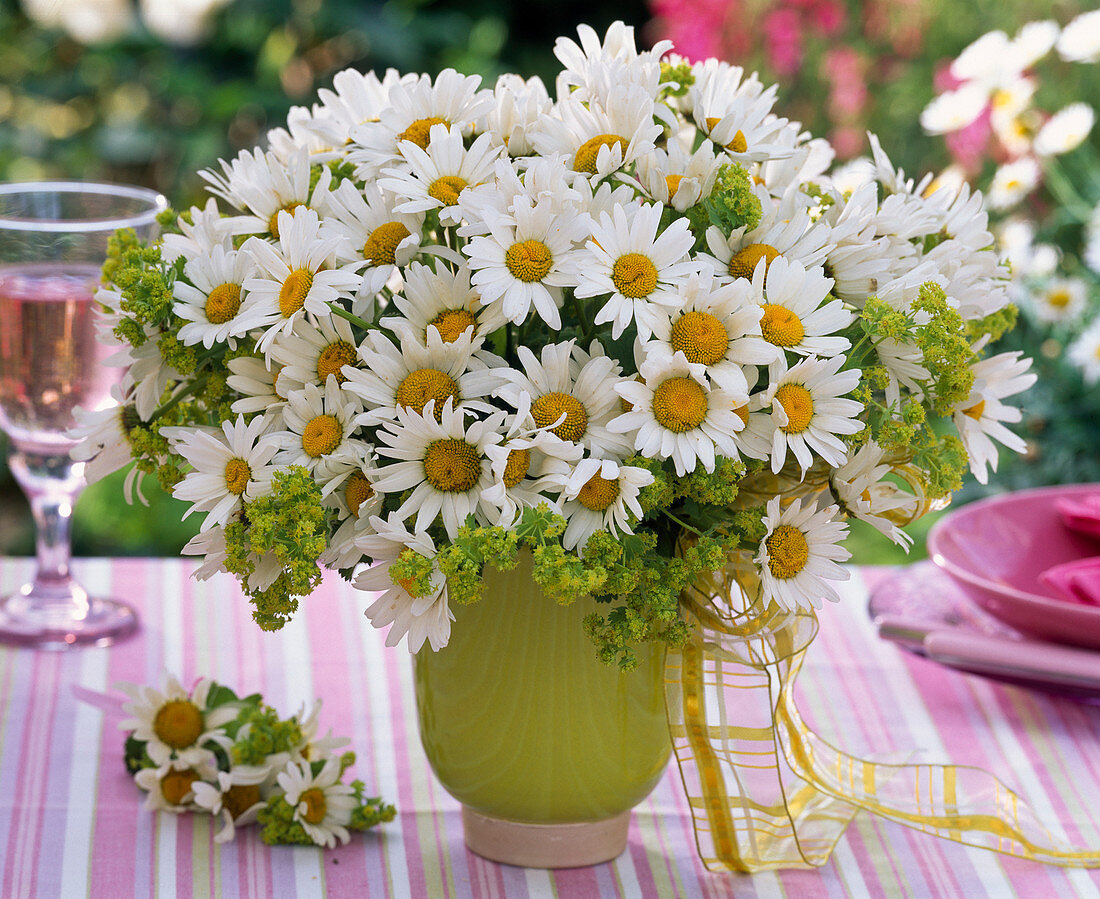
<point>51,483</point>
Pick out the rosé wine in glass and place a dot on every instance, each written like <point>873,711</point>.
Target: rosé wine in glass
<point>53,242</point>
<point>50,360</point>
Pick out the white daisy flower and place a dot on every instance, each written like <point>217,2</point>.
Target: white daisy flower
<point>978,418</point>
<point>230,467</point>
<point>1080,39</point>
<point>862,487</point>
<point>785,229</point>
<point>717,327</point>
<point>1013,181</point>
<point>954,109</point>
<point>435,177</point>
<point>322,805</point>
<point>260,387</point>
<point>597,495</point>
<point>799,554</point>
<point>678,177</point>
<point>641,270</point>
<point>675,415</point>
<point>211,302</point>
<point>318,424</point>
<point>414,107</point>
<point>314,350</point>
<point>520,464</point>
<point>1060,300</point>
<point>103,444</point>
<point>741,121</point>
<point>519,106</point>
<point>376,233</point>
<point>1084,352</point>
<point>354,502</point>
<point>526,261</point>
<point>296,276</point>
<point>443,462</point>
<point>1090,255</point>
<point>1065,130</point>
<point>206,230</point>
<point>210,545</point>
<point>445,302</point>
<point>808,412</point>
<point>796,316</point>
<point>263,185</point>
<point>168,788</point>
<point>234,797</point>
<point>569,393</point>
<point>174,723</point>
<point>410,375</point>
<point>422,618</point>
<point>599,140</point>
<point>356,97</point>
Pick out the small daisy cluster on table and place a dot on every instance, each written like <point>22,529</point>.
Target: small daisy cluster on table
<point>437,324</point>
<point>206,750</point>
<point>1037,161</point>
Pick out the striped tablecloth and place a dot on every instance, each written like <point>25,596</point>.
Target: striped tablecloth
<point>71,821</point>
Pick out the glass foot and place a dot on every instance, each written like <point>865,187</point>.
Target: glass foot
<point>62,616</point>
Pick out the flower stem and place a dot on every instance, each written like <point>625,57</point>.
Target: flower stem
<point>343,313</point>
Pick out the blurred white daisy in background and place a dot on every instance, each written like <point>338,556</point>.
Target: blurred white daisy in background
<point>1059,300</point>
<point>1084,352</point>
<point>1065,130</point>
<point>1013,181</point>
<point>1080,39</point>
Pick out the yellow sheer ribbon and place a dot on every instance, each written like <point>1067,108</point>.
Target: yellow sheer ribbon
<point>767,792</point>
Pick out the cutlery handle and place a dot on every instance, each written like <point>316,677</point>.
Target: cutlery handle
<point>1018,658</point>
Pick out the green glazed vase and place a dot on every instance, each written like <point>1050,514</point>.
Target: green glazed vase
<point>546,747</point>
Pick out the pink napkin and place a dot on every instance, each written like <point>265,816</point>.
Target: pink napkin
<point>1081,515</point>
<point>1077,581</point>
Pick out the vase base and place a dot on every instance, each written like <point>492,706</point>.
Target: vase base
<point>545,845</point>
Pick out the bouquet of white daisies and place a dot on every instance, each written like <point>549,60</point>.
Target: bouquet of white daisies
<point>435,325</point>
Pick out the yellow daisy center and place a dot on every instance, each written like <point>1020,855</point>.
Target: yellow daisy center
<point>452,323</point>
<point>634,275</point>
<point>333,358</point>
<point>273,222</point>
<point>673,182</point>
<point>239,798</point>
<point>423,385</point>
<point>701,337</point>
<point>237,474</point>
<point>381,246</point>
<point>452,466</point>
<point>178,723</point>
<point>788,551</point>
<point>585,158</point>
<point>446,189</point>
<point>780,326</point>
<point>799,406</point>
<point>738,144</point>
<point>549,407</point>
<point>742,412</point>
<point>743,262</point>
<point>322,435</point>
<point>295,289</point>
<point>316,806</point>
<point>357,491</point>
<point>529,260</point>
<point>175,785</point>
<point>516,467</point>
<point>420,131</point>
<point>223,302</point>
<point>976,410</point>
<point>1059,299</point>
<point>680,404</point>
<point>598,493</point>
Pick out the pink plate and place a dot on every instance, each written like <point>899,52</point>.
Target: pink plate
<point>996,548</point>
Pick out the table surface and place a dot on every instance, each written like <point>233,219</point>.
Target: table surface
<point>72,822</point>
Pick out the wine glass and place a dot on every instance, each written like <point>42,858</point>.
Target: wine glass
<point>53,242</point>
